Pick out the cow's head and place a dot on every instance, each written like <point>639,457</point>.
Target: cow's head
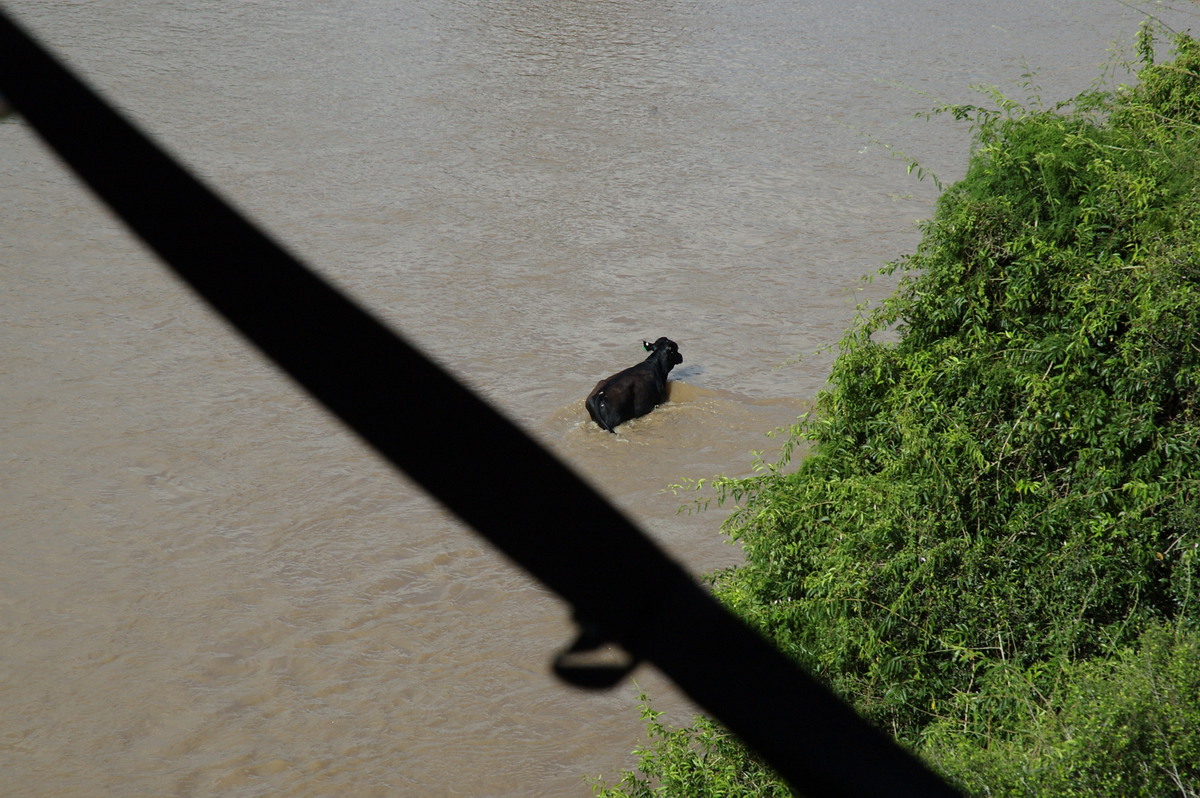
<point>673,356</point>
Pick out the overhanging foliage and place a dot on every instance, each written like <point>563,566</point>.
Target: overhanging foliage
<point>1006,502</point>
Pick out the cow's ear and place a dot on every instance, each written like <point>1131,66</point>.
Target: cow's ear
<point>649,347</point>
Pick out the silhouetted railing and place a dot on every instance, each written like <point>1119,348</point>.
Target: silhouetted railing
<point>623,588</point>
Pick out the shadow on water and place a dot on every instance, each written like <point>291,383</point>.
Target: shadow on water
<point>686,372</point>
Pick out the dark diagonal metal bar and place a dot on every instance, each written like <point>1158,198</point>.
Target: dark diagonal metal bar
<point>458,448</point>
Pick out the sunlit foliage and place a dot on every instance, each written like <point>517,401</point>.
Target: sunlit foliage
<point>992,550</point>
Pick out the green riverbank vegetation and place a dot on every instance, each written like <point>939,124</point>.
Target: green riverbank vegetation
<point>992,548</point>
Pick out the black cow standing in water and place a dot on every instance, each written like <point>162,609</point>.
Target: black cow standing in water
<point>637,390</point>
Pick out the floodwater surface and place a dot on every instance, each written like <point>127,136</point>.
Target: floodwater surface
<point>207,587</point>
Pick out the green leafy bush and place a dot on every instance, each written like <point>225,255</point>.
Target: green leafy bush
<point>703,761</point>
<point>1127,725</point>
<point>1014,484</point>
<point>999,506</point>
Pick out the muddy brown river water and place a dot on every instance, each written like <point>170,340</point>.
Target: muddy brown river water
<point>207,587</point>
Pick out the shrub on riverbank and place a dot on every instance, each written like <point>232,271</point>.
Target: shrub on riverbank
<point>992,551</point>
